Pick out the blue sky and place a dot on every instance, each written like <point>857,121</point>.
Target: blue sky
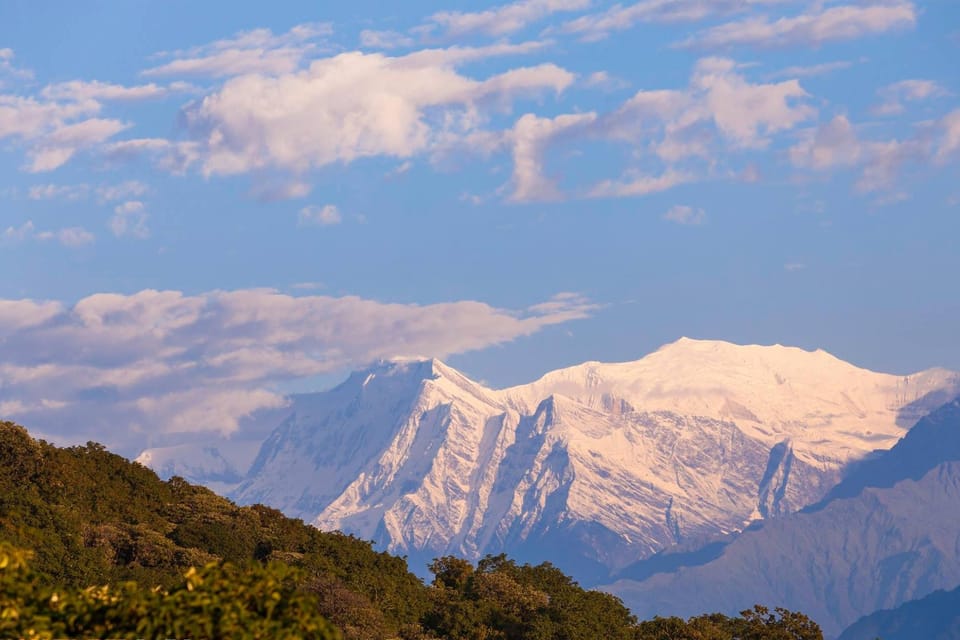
<point>204,209</point>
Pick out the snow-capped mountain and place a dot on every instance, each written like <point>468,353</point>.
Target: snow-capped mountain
<point>592,467</point>
<point>889,533</point>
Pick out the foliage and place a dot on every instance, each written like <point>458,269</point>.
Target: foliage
<point>499,599</point>
<point>216,601</point>
<point>94,518</point>
<point>758,623</point>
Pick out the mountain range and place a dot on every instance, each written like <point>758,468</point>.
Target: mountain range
<point>876,541</point>
<point>594,467</point>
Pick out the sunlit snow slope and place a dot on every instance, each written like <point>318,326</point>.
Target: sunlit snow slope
<point>594,466</point>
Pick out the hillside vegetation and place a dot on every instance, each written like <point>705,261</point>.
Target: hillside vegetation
<point>92,545</point>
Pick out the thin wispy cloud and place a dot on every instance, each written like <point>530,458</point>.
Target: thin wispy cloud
<point>255,51</point>
<point>685,215</point>
<point>27,231</point>
<point>621,17</point>
<point>837,23</point>
<point>316,216</point>
<point>895,96</point>
<point>500,20</point>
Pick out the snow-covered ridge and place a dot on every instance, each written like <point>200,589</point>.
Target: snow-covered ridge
<point>595,465</point>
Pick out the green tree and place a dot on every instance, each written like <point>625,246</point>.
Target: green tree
<point>216,601</point>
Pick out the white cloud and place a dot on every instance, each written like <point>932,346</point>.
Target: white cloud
<point>836,144</point>
<point>130,219</point>
<point>501,20</point>
<point>72,192</point>
<point>121,191</point>
<point>68,236</point>
<point>746,112</point>
<point>719,106</point>
<point>603,80</point>
<point>27,118</point>
<point>634,183</point>
<point>175,157</point>
<point>794,266</point>
<point>57,147</point>
<point>324,216</point>
<point>619,17</point>
<point>355,105</point>
<point>59,122</point>
<point>19,314</point>
<point>130,366</point>
<point>830,145</point>
<point>845,22</point>
<point>914,90</point>
<point>58,191</point>
<point>531,137</point>
<point>948,138</point>
<point>809,71</point>
<point>372,39</point>
<point>81,91</point>
<point>277,190</point>
<point>256,51</point>
<point>686,215</point>
<point>7,67</point>
<point>19,233</point>
<point>719,111</point>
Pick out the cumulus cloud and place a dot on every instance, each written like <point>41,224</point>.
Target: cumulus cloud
<point>718,98</point>
<point>686,215</point>
<point>844,22</point>
<point>130,366</point>
<point>531,137</point>
<point>355,105</point>
<point>130,219</point>
<point>62,118</point>
<point>718,112</point>
<point>501,20</point>
<point>837,144</point>
<point>324,216</point>
<point>255,51</point>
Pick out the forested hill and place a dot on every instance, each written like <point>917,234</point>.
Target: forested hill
<point>178,558</point>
